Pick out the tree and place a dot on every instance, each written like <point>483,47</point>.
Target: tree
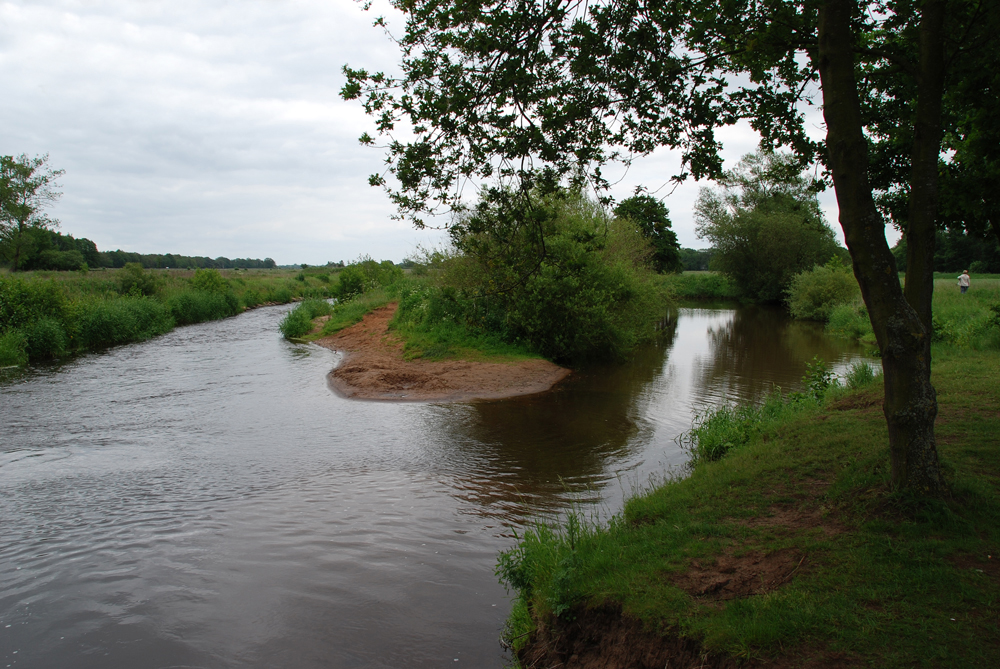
<point>27,186</point>
<point>522,91</point>
<point>653,219</point>
<point>765,225</point>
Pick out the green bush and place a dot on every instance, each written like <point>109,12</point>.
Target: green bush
<point>46,338</point>
<point>298,322</point>
<point>209,281</point>
<point>13,348</point>
<point>701,285</point>
<point>553,275</point>
<point>134,280</point>
<point>119,321</point>
<point>851,320</point>
<point>195,306</point>
<point>365,274</point>
<point>24,302</point>
<point>813,294</point>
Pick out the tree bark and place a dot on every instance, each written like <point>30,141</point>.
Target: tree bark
<point>910,400</point>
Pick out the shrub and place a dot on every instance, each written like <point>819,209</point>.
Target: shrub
<point>209,281</point>
<point>13,348</point>
<point>24,302</point>
<point>195,306</point>
<point>119,321</point>
<point>851,320</point>
<point>134,280</point>
<point>813,294</point>
<point>298,321</point>
<point>46,338</point>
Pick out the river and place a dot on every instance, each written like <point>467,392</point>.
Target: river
<point>205,500</point>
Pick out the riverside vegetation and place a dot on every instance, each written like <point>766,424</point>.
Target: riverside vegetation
<point>590,294</point>
<point>46,315</point>
<point>784,539</point>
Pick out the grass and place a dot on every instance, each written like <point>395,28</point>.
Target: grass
<point>967,321</point>
<point>858,574</point>
<point>46,315</point>
<point>440,339</point>
<point>700,286</point>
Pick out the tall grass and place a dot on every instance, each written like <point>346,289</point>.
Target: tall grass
<point>298,321</point>
<point>966,321</point>
<point>47,315</point>
<point>700,286</point>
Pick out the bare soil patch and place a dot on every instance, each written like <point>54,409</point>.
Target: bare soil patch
<point>729,577</point>
<point>373,368</point>
<point>604,638</point>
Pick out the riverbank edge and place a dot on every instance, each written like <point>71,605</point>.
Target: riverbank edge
<point>790,552</point>
<point>373,367</point>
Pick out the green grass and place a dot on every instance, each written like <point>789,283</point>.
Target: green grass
<point>968,321</point>
<point>875,577</point>
<point>46,315</point>
<point>700,286</point>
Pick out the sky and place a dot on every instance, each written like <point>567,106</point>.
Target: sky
<point>215,128</point>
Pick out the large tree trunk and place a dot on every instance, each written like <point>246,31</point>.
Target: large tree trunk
<point>910,401</point>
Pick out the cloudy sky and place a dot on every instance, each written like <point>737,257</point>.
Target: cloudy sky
<point>215,128</point>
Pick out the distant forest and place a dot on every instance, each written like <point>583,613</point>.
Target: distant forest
<point>50,250</point>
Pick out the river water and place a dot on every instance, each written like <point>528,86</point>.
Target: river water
<point>205,500</point>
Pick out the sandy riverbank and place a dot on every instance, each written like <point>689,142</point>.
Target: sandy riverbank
<point>373,368</point>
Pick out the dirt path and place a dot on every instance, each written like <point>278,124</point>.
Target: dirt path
<point>373,368</point>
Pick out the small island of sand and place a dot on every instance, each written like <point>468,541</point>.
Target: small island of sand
<point>373,368</point>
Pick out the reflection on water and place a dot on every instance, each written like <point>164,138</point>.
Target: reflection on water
<point>205,500</point>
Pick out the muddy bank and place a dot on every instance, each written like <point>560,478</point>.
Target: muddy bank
<point>373,368</point>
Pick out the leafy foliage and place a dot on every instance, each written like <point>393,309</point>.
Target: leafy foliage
<point>552,273</point>
<point>813,294</point>
<point>27,186</point>
<point>653,219</point>
<point>765,225</point>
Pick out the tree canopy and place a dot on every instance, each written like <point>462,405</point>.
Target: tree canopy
<point>27,187</point>
<point>765,225</point>
<point>528,92</point>
<point>653,219</point>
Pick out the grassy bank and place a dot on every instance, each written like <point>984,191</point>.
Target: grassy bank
<point>700,286</point>
<point>790,546</point>
<point>46,315</point>
<point>964,320</point>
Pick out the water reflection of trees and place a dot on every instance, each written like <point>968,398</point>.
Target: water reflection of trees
<point>516,457</point>
<point>760,347</point>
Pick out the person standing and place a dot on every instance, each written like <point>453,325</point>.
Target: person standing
<point>964,281</point>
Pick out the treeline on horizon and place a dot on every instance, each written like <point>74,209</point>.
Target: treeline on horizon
<point>51,250</point>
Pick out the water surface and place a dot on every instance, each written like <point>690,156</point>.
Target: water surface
<point>205,500</point>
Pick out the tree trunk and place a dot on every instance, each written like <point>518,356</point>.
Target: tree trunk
<point>910,401</point>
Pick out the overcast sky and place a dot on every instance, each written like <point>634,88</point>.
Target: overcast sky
<point>215,128</point>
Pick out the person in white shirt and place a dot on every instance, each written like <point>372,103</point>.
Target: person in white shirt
<point>964,281</point>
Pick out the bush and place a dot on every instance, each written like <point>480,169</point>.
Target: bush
<point>552,275</point>
<point>365,274</point>
<point>134,280</point>
<point>24,302</point>
<point>119,321</point>
<point>13,348</point>
<point>860,375</point>
<point>195,306</point>
<point>298,321</point>
<point>46,338</point>
<point>209,281</point>
<point>851,320</point>
<point>813,294</point>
